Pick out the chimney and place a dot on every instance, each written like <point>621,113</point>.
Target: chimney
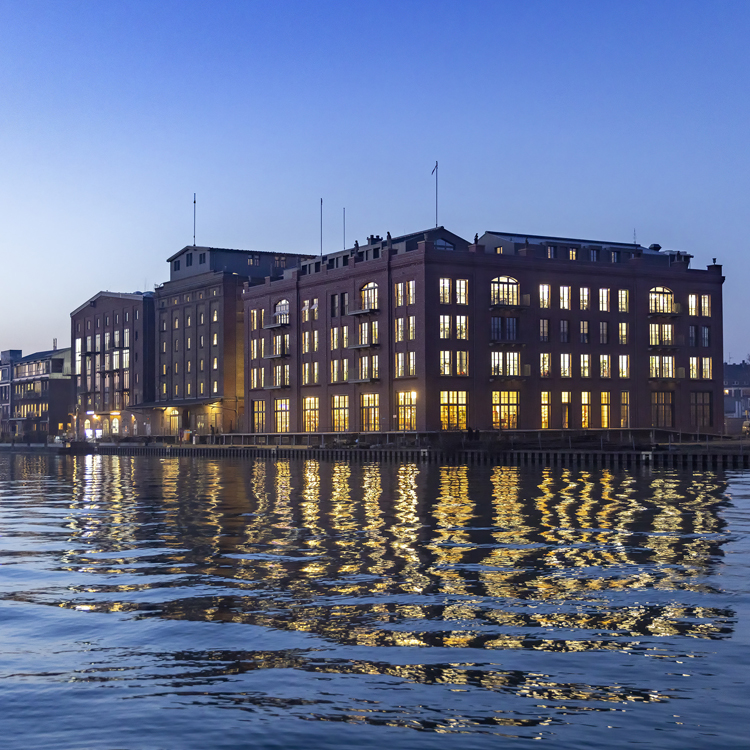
<point>54,345</point>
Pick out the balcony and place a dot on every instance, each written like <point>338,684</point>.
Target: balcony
<point>364,346</point>
<point>365,380</point>
<point>277,355</point>
<point>523,302</point>
<point>275,387</point>
<point>670,312</point>
<point>364,311</point>
<point>507,343</point>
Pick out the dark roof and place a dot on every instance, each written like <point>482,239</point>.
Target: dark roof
<point>199,248</point>
<point>41,355</point>
<point>630,245</point>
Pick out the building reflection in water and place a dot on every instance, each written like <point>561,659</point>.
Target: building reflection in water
<point>403,555</point>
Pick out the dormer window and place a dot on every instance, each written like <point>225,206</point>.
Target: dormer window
<point>443,245</point>
<point>188,260</point>
<point>176,265</point>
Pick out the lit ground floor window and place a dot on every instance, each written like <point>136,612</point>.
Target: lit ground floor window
<point>259,416</point>
<point>624,408</point>
<point>605,405</point>
<point>505,410</point>
<point>585,409</point>
<point>407,410</point>
<point>281,414</point>
<point>370,411</point>
<point>453,410</point>
<point>565,409</point>
<point>310,413</point>
<point>545,409</point>
<point>340,413</point>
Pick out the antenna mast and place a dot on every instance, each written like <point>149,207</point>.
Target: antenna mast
<point>193,219</point>
<point>321,227</point>
<point>344,227</point>
<point>435,172</point>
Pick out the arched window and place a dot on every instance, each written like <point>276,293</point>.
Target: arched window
<point>504,291</point>
<point>115,426</point>
<point>660,300</point>
<point>281,311</point>
<point>370,296</point>
<point>87,424</point>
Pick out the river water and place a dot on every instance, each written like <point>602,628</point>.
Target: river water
<point>191,603</point>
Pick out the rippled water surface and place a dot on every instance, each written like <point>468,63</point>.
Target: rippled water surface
<point>189,603</point>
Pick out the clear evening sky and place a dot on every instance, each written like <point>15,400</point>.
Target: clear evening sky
<point>582,119</point>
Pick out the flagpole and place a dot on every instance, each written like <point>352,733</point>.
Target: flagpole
<point>321,227</point>
<point>193,219</point>
<point>435,172</point>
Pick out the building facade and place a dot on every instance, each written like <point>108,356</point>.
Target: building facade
<point>112,344</point>
<point>199,360</point>
<point>429,333</point>
<point>41,394</point>
<point>7,359</point>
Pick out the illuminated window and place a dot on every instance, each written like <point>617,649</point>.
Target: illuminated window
<point>215,340</point>
<point>334,338</point>
<point>259,416</point>
<point>216,386</point>
<point>399,322</point>
<point>412,327</point>
<point>623,300</point>
<point>707,368</point>
<point>572,253</point>
<point>399,293</point>
<point>565,365</point>
<point>462,327</point>
<point>604,300</point>
<point>545,369</point>
<point>305,342</point>
<point>694,368</point>
<point>462,363</point>
<point>692,304</point>
<point>504,291</point>
<point>445,363</point>
<point>215,317</point>
<point>281,414</point>
<point>565,402</point>
<point>605,366</point>
<point>706,305</point>
<point>624,365</point>
<point>453,410</point>
<point>370,412</point>
<point>544,296</point>
<point>445,291</point>
<point>585,366</point>
<point>411,292</point>
<point>584,329</point>
<point>505,410</point>
<point>584,297</point>
<point>585,409</point>
<point>369,296</point>
<point>660,300</point>
<point>565,298</point>
<point>407,410</point>
<point>281,312</point>
<point>624,408</point>
<point>462,292</point>
<point>496,363</point>
<point>445,326</point>
<point>400,364</point>
<point>545,409</point>
<point>310,414</point>
<point>412,363</point>
<point>622,331</point>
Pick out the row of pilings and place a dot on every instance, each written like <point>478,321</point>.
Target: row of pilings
<point>590,459</point>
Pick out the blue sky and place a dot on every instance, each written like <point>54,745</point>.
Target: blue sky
<point>585,119</point>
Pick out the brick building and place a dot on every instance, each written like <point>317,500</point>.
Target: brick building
<point>7,359</point>
<point>429,333</point>
<point>199,361</point>
<point>112,344</point>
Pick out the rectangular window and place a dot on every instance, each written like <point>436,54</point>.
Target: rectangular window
<point>653,334</point>
<point>512,365</point>
<point>700,409</point>
<point>340,413</point>
<point>584,326</point>
<point>544,330</point>
<point>705,336</point>
<point>694,375</point>
<point>445,362</point>
<point>604,300</point>
<point>334,305</point>
<point>565,401</point>
<point>662,409</point>
<point>364,367</point>
<point>370,412</point>
<point>544,296</point>
<point>545,370</point>
<point>585,365</point>
<point>565,298</point>
<point>605,366</point>
<point>585,410</point>
<point>496,363</point>
<point>259,416</point>
<point>345,303</point>
<point>334,338</point>
<point>445,326</point>
<point>399,293</point>
<point>412,363</point>
<point>623,300</point>
<point>412,327</point>
<point>505,410</point>
<point>572,253</point>
<point>306,311</point>
<point>462,363</point>
<point>400,364</point>
<point>603,332</point>
<point>624,365</point>
<point>666,333</point>
<point>407,410</point>
<point>374,338</point>
<point>624,408</point>
<point>462,327</point>
<point>622,333</point>
<point>605,409</point>
<point>706,305</point>
<point>411,292</point>
<point>692,304</point>
<point>462,292</point>
<point>453,410</point>
<point>399,323</point>
<point>565,365</point>
<point>445,291</point>
<point>281,414</point>
<point>707,368</point>
<point>584,297</point>
<point>310,414</point>
<point>305,342</point>
<point>564,331</point>
<point>511,329</point>
<point>545,409</point>
<point>693,335</point>
<point>496,329</point>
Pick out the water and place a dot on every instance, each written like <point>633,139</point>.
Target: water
<point>179,603</point>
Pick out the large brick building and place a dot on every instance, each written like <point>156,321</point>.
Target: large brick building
<point>199,360</point>
<point>429,333</point>
<point>112,344</point>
